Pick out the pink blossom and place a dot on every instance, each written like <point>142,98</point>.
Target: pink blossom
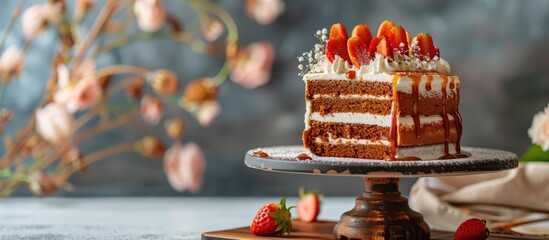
<point>64,85</point>
<point>264,11</point>
<point>253,65</point>
<point>206,112</point>
<point>164,82</point>
<point>81,7</point>
<point>35,18</point>
<point>539,131</point>
<point>12,63</point>
<point>52,11</point>
<point>150,14</point>
<point>151,109</point>
<point>184,167</point>
<point>212,29</point>
<point>33,21</point>
<point>85,94</point>
<point>53,123</point>
<point>79,90</point>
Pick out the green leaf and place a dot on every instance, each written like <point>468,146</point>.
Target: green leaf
<point>535,154</point>
<point>283,202</point>
<point>6,172</point>
<point>279,228</point>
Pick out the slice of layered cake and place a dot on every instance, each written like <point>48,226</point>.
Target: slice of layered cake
<point>385,97</point>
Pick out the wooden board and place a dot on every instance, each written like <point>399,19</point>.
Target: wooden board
<point>301,230</point>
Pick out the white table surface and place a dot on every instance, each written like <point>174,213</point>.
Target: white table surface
<point>136,218</point>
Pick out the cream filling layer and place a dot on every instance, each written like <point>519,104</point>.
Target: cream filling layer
<point>371,119</point>
<point>352,141</point>
<point>358,118</point>
<point>351,96</point>
<point>426,152</point>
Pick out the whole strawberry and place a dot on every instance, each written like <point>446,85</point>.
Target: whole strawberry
<point>308,206</point>
<point>472,229</point>
<point>272,219</point>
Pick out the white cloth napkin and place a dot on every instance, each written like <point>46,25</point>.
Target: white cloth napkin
<point>446,202</point>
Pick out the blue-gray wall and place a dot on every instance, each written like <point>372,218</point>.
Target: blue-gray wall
<point>498,48</point>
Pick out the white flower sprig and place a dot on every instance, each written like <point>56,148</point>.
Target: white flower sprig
<point>539,131</point>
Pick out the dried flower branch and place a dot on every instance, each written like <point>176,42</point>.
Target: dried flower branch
<point>46,151</point>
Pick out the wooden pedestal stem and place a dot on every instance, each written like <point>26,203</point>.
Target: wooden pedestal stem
<point>381,213</point>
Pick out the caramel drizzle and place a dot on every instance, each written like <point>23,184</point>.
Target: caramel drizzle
<point>457,116</point>
<point>416,79</point>
<point>395,114</point>
<point>445,121</point>
<point>430,79</point>
<point>393,139</point>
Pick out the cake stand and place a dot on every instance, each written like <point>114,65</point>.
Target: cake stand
<point>382,212</point>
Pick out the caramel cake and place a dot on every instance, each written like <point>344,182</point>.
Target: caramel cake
<point>385,97</point>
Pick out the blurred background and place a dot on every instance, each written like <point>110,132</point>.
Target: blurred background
<point>498,48</point>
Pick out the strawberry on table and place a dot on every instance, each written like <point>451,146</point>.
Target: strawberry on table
<point>472,229</point>
<point>308,206</point>
<point>272,219</point>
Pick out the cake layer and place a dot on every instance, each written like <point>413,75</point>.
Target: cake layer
<point>402,116</point>
<point>326,105</point>
<point>431,130</point>
<point>339,87</point>
<point>351,131</point>
<point>420,152</point>
<point>427,84</point>
<point>429,133</point>
<point>350,150</point>
<point>426,105</point>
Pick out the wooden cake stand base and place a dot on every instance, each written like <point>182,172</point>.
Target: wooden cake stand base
<point>381,213</point>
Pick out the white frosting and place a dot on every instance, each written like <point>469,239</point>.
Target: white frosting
<point>405,85</point>
<point>352,141</point>
<point>307,114</point>
<point>381,64</point>
<point>371,119</point>
<point>358,118</point>
<point>338,66</point>
<point>433,151</point>
<point>350,96</point>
